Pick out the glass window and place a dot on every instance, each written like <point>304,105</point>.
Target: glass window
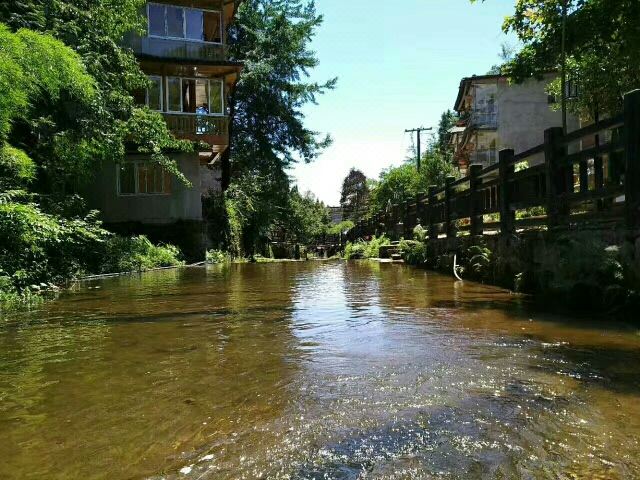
<point>193,20</point>
<point>216,97</point>
<point>127,178</point>
<point>202,97</point>
<point>154,94</point>
<point>156,20</point>
<point>143,178</point>
<point>212,27</point>
<point>175,22</point>
<point>174,94</point>
<point>188,95</point>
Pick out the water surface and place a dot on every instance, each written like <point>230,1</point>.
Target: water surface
<point>313,371</point>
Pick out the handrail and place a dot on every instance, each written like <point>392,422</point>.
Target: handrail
<point>549,184</point>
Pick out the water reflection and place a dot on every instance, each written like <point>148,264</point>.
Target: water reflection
<point>313,371</point>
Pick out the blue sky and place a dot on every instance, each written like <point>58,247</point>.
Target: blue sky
<point>399,64</point>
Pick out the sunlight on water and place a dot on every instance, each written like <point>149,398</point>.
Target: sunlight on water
<point>313,371</point>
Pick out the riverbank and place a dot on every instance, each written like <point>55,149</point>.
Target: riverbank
<point>576,270</point>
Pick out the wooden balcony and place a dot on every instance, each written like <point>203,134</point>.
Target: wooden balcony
<point>213,130</point>
<point>179,50</point>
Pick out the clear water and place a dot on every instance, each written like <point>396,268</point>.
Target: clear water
<point>313,371</point>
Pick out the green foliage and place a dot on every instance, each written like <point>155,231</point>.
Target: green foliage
<point>420,233</point>
<point>480,261</point>
<point>448,119</point>
<point>218,256</point>
<point>603,48</point>
<point>17,170</point>
<point>38,248</point>
<point>135,254</point>
<point>582,259</point>
<point>306,219</point>
<point>363,249</point>
<point>340,228</point>
<point>34,66</point>
<point>403,183</point>
<point>354,197</point>
<point>355,250</point>
<point>413,252</point>
<point>272,38</point>
<point>268,134</point>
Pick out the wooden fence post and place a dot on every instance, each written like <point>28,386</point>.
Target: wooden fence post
<point>406,221</point>
<point>476,204</point>
<point>419,209</point>
<point>556,177</point>
<point>632,160</point>
<point>448,223</point>
<point>506,169</point>
<point>431,214</point>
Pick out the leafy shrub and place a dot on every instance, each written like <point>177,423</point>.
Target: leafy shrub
<point>363,249</point>
<point>355,250</point>
<point>480,260</point>
<point>16,168</point>
<point>413,252</point>
<point>341,227</point>
<point>218,256</point>
<point>130,254</point>
<point>420,233</point>
<point>373,246</point>
<point>38,248</point>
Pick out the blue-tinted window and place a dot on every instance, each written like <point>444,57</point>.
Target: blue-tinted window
<point>156,20</point>
<point>175,22</point>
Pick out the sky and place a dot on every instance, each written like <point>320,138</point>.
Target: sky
<point>399,64</point>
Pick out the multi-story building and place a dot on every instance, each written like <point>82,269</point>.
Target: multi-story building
<point>184,55</point>
<point>496,114</point>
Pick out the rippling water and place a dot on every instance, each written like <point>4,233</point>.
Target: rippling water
<point>313,371</point>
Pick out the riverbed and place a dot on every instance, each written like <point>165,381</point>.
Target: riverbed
<point>313,370</point>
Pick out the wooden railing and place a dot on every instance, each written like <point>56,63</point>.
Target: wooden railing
<point>176,49</point>
<point>186,125</point>
<point>589,178</point>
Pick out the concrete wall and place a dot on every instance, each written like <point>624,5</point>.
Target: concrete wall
<point>181,204</point>
<point>524,113</point>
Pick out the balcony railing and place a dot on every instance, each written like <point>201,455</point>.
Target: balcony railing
<point>484,119</point>
<point>165,48</point>
<point>484,157</point>
<point>190,126</point>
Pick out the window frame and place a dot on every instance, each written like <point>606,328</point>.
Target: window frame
<point>136,180</point>
<point>156,77</point>
<point>184,24</point>
<point>209,81</point>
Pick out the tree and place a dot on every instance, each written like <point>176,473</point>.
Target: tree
<point>400,184</point>
<point>507,53</point>
<point>602,45</point>
<point>355,195</point>
<point>267,133</point>
<point>272,38</point>
<point>66,137</point>
<point>307,219</point>
<point>448,120</point>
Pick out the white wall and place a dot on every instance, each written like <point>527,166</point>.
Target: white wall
<point>524,113</point>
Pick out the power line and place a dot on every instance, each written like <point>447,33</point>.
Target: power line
<point>418,132</point>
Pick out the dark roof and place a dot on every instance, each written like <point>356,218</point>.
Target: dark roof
<point>467,80</point>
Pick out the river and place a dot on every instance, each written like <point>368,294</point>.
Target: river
<point>316,370</point>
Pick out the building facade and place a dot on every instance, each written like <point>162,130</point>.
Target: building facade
<point>184,55</point>
<point>496,115</point>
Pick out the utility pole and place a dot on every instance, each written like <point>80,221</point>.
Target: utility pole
<point>418,131</point>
